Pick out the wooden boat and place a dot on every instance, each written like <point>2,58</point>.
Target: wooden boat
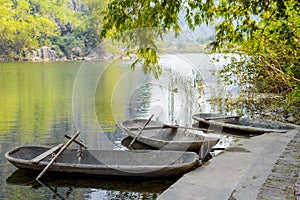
<point>106,162</point>
<point>241,124</point>
<point>167,137</point>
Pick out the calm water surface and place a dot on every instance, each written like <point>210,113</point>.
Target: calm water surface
<point>40,102</point>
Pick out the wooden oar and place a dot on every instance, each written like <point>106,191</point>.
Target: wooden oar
<point>221,117</point>
<point>169,126</point>
<point>77,142</point>
<point>57,155</point>
<point>55,193</point>
<point>217,149</point>
<point>42,156</point>
<point>189,128</point>
<point>140,131</point>
<point>146,128</point>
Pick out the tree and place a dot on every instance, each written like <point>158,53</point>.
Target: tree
<point>27,25</point>
<point>20,30</point>
<point>265,32</point>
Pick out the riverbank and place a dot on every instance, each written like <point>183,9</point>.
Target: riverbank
<point>262,167</point>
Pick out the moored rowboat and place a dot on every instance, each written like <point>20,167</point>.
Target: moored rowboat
<point>241,124</point>
<point>166,137</point>
<point>107,162</point>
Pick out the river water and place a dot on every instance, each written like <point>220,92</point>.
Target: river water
<point>40,102</point>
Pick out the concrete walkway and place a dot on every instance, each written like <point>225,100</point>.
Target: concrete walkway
<point>242,171</point>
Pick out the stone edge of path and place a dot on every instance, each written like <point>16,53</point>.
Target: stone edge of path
<point>237,173</point>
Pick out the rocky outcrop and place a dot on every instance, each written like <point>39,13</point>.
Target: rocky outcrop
<point>77,51</point>
<point>77,6</point>
<point>49,54</point>
<point>65,29</point>
<point>45,54</point>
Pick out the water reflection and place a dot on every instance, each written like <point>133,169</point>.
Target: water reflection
<point>107,93</point>
<point>36,108</point>
<point>31,94</point>
<point>64,187</point>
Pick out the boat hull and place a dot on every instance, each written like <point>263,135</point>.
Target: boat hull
<point>242,124</point>
<point>108,162</point>
<point>172,139</point>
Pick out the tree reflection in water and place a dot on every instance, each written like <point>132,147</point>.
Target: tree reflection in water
<point>67,187</point>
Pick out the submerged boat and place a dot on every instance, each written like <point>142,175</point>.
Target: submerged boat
<point>241,124</point>
<point>106,162</point>
<point>168,137</point>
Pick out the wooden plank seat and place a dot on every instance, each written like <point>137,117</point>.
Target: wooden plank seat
<point>40,157</point>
